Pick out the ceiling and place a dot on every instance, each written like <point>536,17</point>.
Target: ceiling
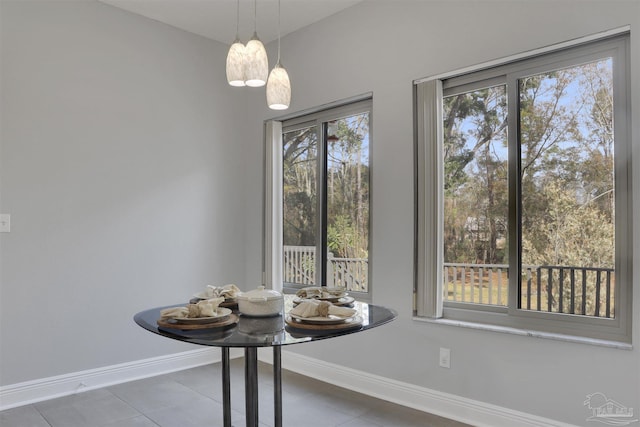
<point>217,19</point>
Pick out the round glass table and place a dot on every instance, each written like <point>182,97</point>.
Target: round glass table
<point>252,333</point>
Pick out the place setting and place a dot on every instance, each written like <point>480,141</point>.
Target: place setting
<point>229,292</point>
<point>320,315</point>
<point>338,296</point>
<point>204,314</point>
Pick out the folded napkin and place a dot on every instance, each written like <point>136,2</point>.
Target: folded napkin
<point>171,313</point>
<point>207,307</point>
<point>320,292</point>
<point>204,308</point>
<point>310,308</point>
<point>226,291</point>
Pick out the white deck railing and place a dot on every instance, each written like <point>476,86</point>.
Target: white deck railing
<point>587,291</point>
<point>299,265</point>
<point>299,268</point>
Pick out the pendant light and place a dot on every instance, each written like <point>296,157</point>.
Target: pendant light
<point>256,64</point>
<point>235,58</point>
<point>278,85</point>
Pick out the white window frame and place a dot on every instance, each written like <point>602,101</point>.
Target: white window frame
<point>273,191</point>
<point>428,96</point>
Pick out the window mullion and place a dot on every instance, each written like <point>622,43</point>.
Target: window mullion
<point>514,219</point>
<point>272,236</point>
<point>321,206</point>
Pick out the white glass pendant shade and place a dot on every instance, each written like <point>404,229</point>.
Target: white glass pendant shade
<point>235,64</point>
<point>256,64</point>
<point>278,88</point>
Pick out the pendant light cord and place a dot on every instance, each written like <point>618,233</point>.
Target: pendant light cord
<point>255,14</point>
<point>238,21</point>
<point>278,32</point>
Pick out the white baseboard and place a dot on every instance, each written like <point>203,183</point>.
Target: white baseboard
<point>447,405</point>
<point>38,390</point>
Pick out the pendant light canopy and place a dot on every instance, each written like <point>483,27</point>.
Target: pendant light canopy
<point>235,58</point>
<point>278,85</point>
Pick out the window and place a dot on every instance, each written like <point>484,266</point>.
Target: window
<point>318,199</point>
<point>523,184</point>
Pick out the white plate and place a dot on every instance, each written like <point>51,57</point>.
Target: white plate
<point>221,314</point>
<point>333,297</point>
<point>330,299</point>
<point>338,301</point>
<point>204,295</point>
<point>319,320</point>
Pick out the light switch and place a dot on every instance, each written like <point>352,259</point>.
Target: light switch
<point>445,357</point>
<point>5,223</point>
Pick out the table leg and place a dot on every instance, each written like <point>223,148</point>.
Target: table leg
<point>277,386</point>
<point>226,388</point>
<point>251,385</point>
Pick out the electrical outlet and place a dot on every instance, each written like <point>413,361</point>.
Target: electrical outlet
<point>445,357</point>
<point>5,223</point>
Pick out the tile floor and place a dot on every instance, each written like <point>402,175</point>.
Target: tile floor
<point>193,398</point>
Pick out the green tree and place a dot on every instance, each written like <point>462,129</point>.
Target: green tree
<point>475,175</point>
<point>348,186</point>
<point>299,188</point>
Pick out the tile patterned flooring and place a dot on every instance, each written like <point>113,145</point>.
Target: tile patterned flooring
<point>193,398</point>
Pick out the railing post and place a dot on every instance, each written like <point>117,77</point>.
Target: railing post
<point>490,285</point>
<point>528,289</point>
<point>608,313</point>
<point>539,288</point>
<point>584,291</point>
<point>463,283</point>
<point>499,286</point>
<point>549,289</point>
<point>330,277</point>
<point>480,279</point>
<point>455,283</point>
<point>561,290</point>
<point>572,309</point>
<point>598,282</point>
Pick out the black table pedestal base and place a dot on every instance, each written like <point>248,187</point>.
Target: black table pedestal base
<point>226,387</point>
<point>251,386</point>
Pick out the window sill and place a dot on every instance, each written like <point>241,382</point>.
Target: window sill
<point>529,333</point>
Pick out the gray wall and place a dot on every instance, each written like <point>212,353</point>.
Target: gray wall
<point>121,167</point>
<point>382,46</point>
<point>122,150</point>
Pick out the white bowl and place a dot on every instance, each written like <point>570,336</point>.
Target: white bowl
<point>261,302</point>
